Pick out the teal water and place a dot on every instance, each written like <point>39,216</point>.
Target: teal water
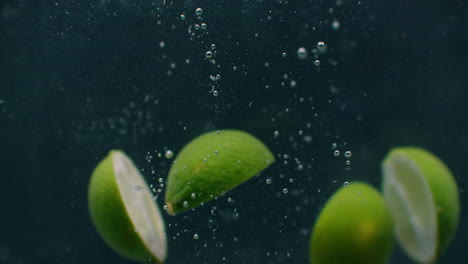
<point>308,78</point>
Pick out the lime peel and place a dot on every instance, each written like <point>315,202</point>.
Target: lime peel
<point>354,227</point>
<point>212,164</point>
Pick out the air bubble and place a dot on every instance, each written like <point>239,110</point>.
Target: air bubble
<point>215,93</point>
<point>348,154</point>
<point>302,53</point>
<point>195,236</point>
<point>209,54</point>
<point>285,190</point>
<point>182,16</point>
<point>321,45</point>
<point>284,54</point>
<point>212,224</point>
<point>345,184</point>
<point>199,11</point>
<point>336,153</point>
<point>268,181</point>
<point>213,46</point>
<point>169,154</point>
<point>293,83</point>
<point>203,25</point>
<point>193,195</point>
<point>276,133</point>
<point>335,25</point>
<point>317,62</point>
<point>185,204</point>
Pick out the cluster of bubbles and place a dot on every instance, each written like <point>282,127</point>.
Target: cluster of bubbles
<point>302,53</point>
<point>157,188</point>
<point>209,54</point>
<point>214,78</point>
<point>197,26</point>
<point>347,154</point>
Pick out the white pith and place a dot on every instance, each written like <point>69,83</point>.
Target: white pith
<point>409,197</point>
<point>141,208</point>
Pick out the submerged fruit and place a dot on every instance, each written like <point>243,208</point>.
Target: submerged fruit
<point>423,198</point>
<point>123,210</point>
<point>354,227</point>
<point>211,165</point>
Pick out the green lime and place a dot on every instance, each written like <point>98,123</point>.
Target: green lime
<point>124,212</point>
<point>211,165</point>
<point>354,227</point>
<point>423,197</point>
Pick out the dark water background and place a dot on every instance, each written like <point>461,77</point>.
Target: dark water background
<point>78,78</point>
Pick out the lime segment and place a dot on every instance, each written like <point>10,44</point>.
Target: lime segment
<point>124,212</point>
<point>354,227</point>
<point>423,198</point>
<point>212,164</point>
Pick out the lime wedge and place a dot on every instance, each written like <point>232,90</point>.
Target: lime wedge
<point>211,165</point>
<point>354,227</point>
<point>423,197</point>
<point>124,212</point>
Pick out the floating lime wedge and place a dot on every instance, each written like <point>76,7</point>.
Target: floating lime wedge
<point>124,212</point>
<point>211,165</point>
<point>423,198</point>
<point>354,227</point>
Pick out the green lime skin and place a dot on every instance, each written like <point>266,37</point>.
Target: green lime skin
<point>354,227</point>
<point>444,190</point>
<point>211,165</point>
<point>110,217</point>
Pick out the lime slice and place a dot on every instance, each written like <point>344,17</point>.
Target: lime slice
<point>124,212</point>
<point>354,227</point>
<point>423,198</point>
<point>211,165</point>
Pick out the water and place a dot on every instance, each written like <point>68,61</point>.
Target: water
<point>308,78</point>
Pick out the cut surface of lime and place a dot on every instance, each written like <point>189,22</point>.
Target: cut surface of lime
<point>423,197</point>
<point>354,227</point>
<point>211,165</point>
<point>124,212</point>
